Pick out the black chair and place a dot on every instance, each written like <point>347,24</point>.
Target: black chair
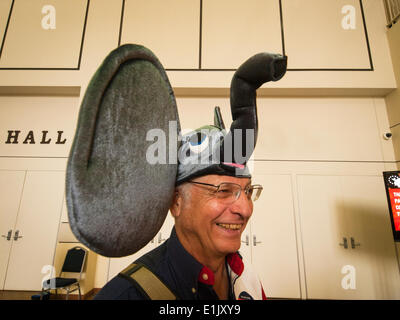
<point>74,262</point>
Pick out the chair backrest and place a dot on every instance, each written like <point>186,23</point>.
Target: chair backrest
<point>74,260</point>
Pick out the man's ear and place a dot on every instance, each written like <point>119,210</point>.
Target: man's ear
<point>176,204</point>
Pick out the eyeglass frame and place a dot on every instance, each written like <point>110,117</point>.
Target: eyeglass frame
<point>246,189</point>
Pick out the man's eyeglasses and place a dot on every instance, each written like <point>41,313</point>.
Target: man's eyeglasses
<point>230,192</point>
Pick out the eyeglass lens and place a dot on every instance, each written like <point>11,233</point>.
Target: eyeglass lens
<point>231,192</point>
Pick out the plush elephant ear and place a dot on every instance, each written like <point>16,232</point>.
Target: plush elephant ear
<point>117,194</point>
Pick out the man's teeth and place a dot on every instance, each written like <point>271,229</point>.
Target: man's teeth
<point>230,226</point>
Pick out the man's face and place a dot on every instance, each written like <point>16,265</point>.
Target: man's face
<point>213,226</point>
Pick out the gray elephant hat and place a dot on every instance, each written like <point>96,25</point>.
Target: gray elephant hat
<point>213,150</point>
<point>117,200</point>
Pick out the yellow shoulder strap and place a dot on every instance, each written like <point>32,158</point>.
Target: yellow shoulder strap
<point>148,282</point>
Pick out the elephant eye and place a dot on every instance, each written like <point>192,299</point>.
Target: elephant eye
<point>198,142</point>
<point>197,139</point>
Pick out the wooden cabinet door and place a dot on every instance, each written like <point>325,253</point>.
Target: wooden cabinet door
<point>11,185</point>
<point>245,248</point>
<point>365,206</point>
<point>334,208</point>
<point>37,225</point>
<point>323,229</point>
<point>273,238</point>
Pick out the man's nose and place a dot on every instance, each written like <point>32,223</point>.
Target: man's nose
<point>243,206</point>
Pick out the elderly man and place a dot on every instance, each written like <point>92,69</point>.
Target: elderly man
<point>208,191</point>
<point>200,260</point>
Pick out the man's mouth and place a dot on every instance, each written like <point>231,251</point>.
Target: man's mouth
<point>230,226</point>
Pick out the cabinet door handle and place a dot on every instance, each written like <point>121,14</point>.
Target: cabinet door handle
<point>353,243</point>
<point>247,241</point>
<point>16,235</point>
<point>8,237</point>
<point>344,244</point>
<point>255,240</point>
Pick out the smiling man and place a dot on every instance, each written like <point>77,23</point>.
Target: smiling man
<point>212,203</point>
<point>200,260</point>
<point>210,214</point>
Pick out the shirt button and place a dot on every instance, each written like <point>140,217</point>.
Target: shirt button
<point>193,290</point>
<point>205,276</point>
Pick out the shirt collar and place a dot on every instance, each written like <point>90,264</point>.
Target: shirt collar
<point>189,270</point>
<point>235,262</point>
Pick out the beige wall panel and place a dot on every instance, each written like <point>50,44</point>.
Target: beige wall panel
<point>398,252</point>
<point>31,164</point>
<point>64,212</point>
<point>102,266</point>
<point>315,38</point>
<point>235,30</point>
<point>102,34</point>
<point>197,112</point>
<point>29,45</point>
<point>5,7</point>
<point>101,37</point>
<point>380,81</point>
<point>393,106</point>
<point>393,99</point>
<point>169,28</point>
<point>390,166</point>
<point>301,128</point>
<point>65,234</point>
<point>319,168</point>
<point>384,127</point>
<point>396,141</point>
<point>318,129</point>
<point>37,114</point>
<point>103,23</point>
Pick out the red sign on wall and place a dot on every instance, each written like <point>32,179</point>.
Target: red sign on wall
<point>394,195</point>
<point>392,184</point>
